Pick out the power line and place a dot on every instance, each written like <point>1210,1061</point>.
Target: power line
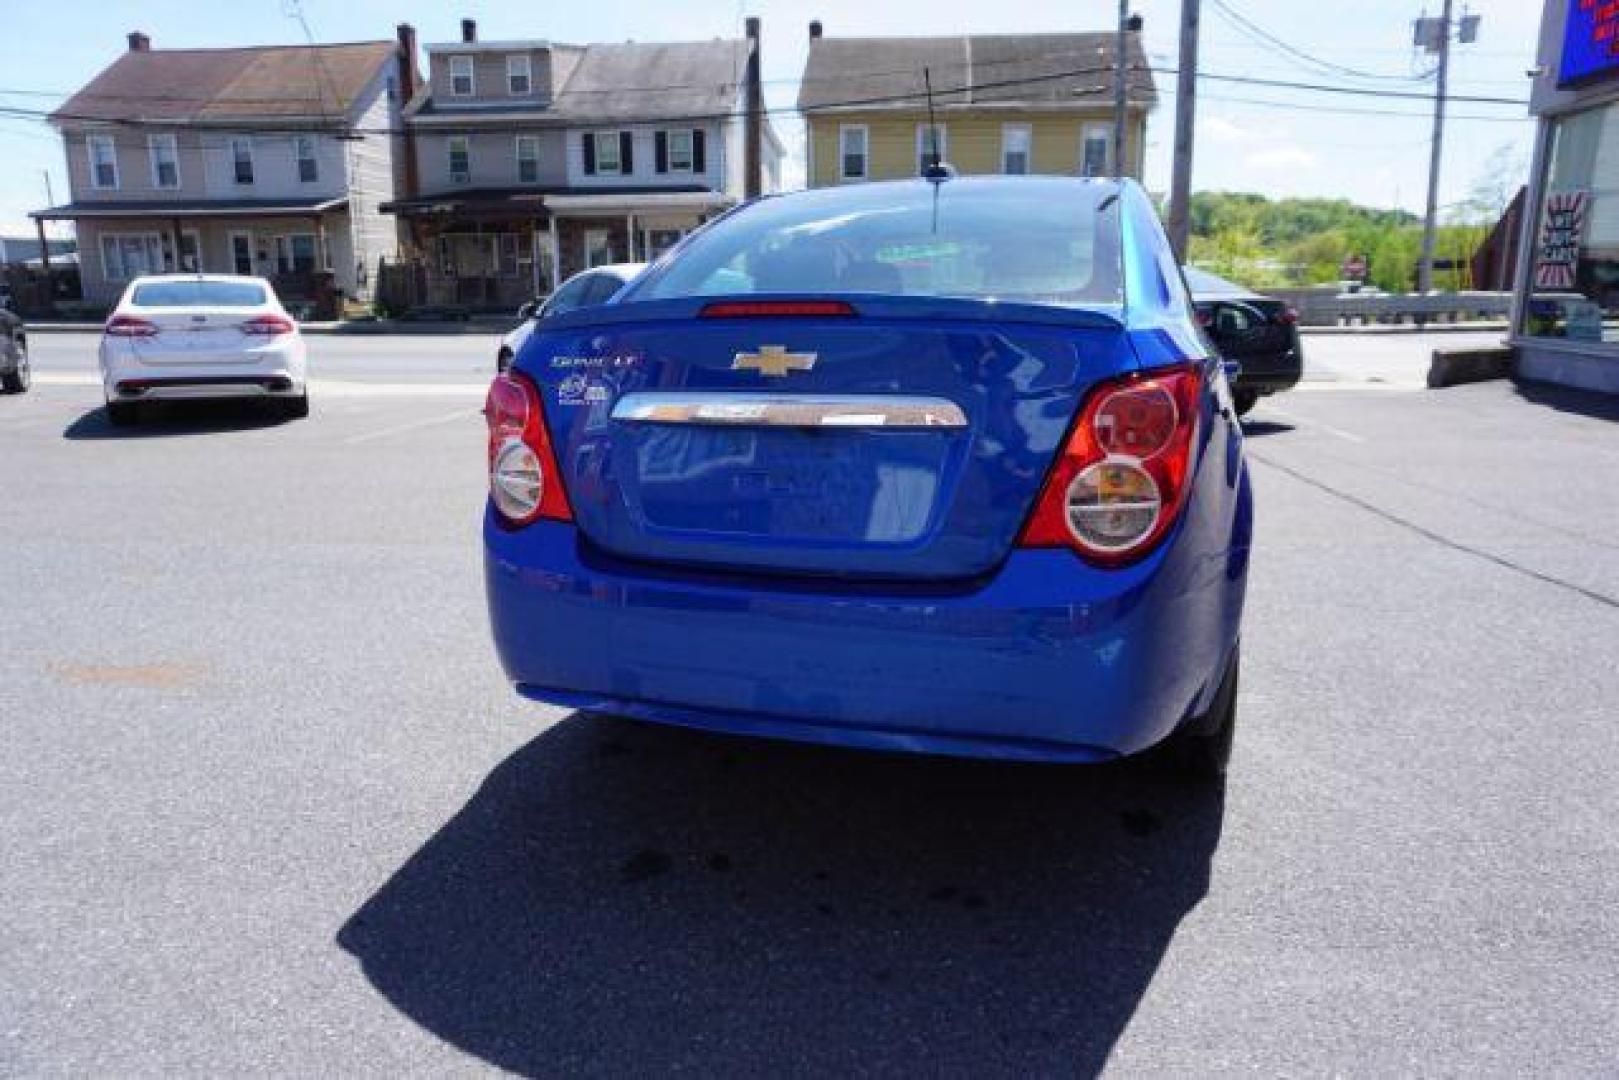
<point>1265,37</point>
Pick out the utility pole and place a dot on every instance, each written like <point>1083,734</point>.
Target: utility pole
<point>1180,187</point>
<point>753,122</point>
<point>1119,89</point>
<point>1430,222</point>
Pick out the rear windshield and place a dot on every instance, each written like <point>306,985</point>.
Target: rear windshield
<point>1031,240</point>
<point>200,294</point>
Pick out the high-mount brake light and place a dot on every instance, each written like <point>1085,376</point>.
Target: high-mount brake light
<point>743,309</point>
<point>524,482</point>
<point>132,326</point>
<point>1123,476</point>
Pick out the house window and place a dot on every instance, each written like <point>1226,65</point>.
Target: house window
<point>125,256</point>
<point>659,241</point>
<point>1015,141</point>
<point>528,159</point>
<point>519,76</point>
<point>241,155</point>
<point>295,254</point>
<point>1094,149</point>
<point>303,147</point>
<point>598,247</point>
<point>241,253</point>
<point>608,153</point>
<point>460,159</point>
<point>461,84</point>
<point>680,159</point>
<point>930,146</point>
<point>165,161</point>
<point>103,163</point>
<point>852,140</point>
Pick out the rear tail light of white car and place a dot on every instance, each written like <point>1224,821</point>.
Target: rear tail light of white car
<point>524,483</point>
<point>1123,477</point>
<point>268,326</point>
<point>131,326</point>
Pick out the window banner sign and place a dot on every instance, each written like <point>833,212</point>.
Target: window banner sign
<point>1562,227</point>
<point>1590,41</point>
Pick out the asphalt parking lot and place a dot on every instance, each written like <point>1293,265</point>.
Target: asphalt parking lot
<point>266,805</point>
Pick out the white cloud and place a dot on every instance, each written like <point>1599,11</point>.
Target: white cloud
<point>1219,129</point>
<point>1281,157</point>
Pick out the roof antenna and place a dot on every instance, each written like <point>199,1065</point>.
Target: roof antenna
<point>935,169</point>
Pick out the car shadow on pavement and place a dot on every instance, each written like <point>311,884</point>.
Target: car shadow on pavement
<point>167,419</point>
<point>623,899</point>
<point>1257,428</point>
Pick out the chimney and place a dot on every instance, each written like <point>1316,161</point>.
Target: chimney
<point>409,177</point>
<point>753,122</point>
<point>815,29</point>
<point>139,42</point>
<point>469,30</point>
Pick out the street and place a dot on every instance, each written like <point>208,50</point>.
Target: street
<point>268,806</point>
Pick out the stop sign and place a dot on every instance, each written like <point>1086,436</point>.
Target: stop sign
<point>1354,268</point>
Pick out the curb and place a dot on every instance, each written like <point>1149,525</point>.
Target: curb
<point>1453,367</point>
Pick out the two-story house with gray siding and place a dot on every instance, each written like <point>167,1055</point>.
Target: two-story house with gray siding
<point>269,160</point>
<point>536,159</point>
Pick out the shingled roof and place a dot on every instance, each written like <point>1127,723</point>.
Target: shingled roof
<point>1038,70</point>
<point>263,82</point>
<point>636,80</point>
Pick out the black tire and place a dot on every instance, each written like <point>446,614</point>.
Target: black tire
<point>20,377</point>
<point>295,408</point>
<point>1200,750</point>
<point>123,413</point>
<point>1246,400</point>
<point>503,361</point>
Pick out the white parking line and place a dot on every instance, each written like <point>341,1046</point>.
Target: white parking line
<point>1346,436</point>
<point>399,429</point>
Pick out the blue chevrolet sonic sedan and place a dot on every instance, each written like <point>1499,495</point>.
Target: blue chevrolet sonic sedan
<point>942,465</point>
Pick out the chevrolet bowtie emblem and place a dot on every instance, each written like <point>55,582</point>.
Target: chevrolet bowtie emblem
<point>773,360</point>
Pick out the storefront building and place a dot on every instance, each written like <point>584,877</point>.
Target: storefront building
<point>1566,309</point>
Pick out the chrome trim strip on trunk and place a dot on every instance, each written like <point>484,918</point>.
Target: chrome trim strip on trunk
<point>790,410</point>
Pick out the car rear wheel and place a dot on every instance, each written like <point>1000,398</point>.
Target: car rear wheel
<point>1201,749</point>
<point>1246,400</point>
<point>295,408</point>
<point>123,413</point>
<point>18,379</point>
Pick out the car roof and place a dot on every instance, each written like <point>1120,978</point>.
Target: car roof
<point>147,279</point>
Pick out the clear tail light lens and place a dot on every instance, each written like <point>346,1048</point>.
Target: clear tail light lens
<point>268,325</point>
<point>130,326</point>
<point>524,483</point>
<point>1122,479</point>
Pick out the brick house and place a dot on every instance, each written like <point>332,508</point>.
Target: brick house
<point>269,160</point>
<point>536,160</point>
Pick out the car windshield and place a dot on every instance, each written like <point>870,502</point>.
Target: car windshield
<point>242,294</point>
<point>1037,240</point>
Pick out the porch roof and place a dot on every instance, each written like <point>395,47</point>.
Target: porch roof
<point>191,208</point>
<point>534,202</point>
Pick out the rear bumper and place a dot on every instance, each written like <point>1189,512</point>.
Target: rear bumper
<point>271,370</point>
<point>1048,660</point>
<point>1271,372</point>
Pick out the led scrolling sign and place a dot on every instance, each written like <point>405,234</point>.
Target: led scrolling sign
<point>1590,41</point>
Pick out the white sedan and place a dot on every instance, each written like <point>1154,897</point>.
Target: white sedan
<point>201,336</point>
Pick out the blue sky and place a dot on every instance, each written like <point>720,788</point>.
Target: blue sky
<point>1254,139</point>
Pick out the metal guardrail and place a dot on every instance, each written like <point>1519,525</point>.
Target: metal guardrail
<point>1319,309</point>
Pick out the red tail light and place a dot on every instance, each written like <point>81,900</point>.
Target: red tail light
<point>524,482</point>
<point>1288,317</point>
<point>1123,476</point>
<point>130,326</point>
<point>741,309</point>
<point>268,325</point>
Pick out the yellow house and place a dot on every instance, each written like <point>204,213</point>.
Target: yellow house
<point>1002,103</point>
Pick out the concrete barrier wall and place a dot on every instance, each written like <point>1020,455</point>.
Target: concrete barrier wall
<point>1318,307</point>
